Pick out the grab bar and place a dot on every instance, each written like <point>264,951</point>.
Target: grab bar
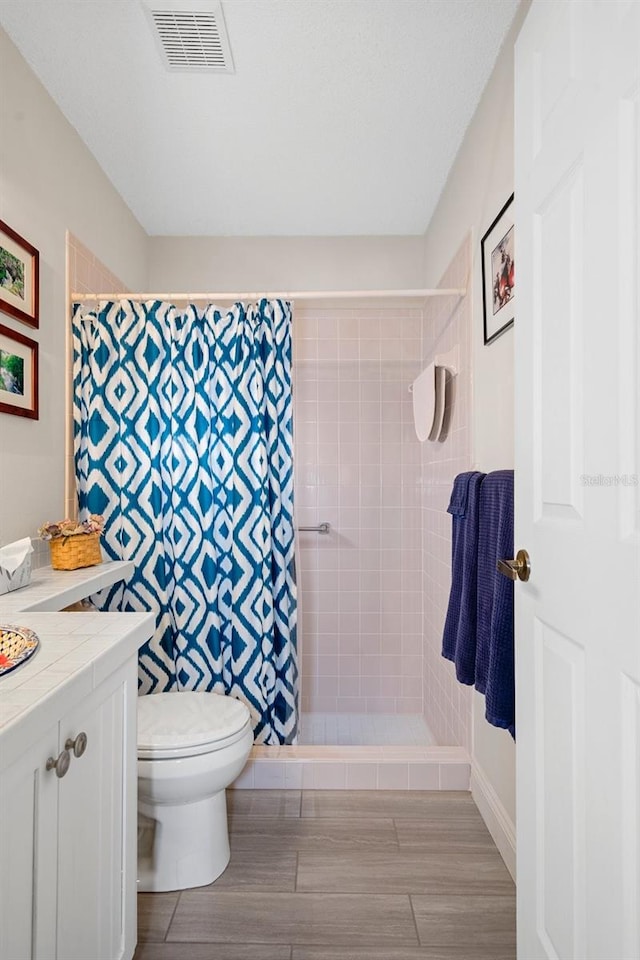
<point>320,528</point>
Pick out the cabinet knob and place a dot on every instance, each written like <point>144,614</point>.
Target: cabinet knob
<point>61,765</point>
<point>79,745</point>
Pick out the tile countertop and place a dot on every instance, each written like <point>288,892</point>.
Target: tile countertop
<point>83,647</point>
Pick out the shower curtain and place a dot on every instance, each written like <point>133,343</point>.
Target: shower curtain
<point>183,441</point>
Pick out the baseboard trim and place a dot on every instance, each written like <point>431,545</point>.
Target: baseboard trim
<point>495,816</point>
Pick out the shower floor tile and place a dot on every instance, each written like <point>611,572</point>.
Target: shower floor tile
<point>364,729</point>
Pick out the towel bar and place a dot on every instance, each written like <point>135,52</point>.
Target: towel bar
<point>320,528</point>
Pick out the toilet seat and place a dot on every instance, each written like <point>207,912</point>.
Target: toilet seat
<point>187,724</point>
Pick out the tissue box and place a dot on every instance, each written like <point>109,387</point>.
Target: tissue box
<point>19,577</point>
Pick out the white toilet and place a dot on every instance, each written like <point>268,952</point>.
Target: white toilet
<point>191,746</point>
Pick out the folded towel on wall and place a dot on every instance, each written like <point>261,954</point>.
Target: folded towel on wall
<point>459,639</point>
<point>494,663</point>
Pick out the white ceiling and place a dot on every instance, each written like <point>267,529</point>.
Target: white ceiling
<point>343,117</point>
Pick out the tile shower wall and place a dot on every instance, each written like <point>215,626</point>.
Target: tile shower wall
<point>374,592</point>
<point>447,327</point>
<point>85,274</point>
<point>358,466</point>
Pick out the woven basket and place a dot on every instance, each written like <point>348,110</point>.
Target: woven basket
<point>71,553</point>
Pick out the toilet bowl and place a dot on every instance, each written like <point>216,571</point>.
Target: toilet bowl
<point>191,746</point>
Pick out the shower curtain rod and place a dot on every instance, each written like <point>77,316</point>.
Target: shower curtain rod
<point>279,295</point>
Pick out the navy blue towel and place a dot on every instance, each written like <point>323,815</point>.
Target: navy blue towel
<point>459,639</point>
<point>494,667</point>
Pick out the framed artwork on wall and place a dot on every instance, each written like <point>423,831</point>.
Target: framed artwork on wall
<point>18,374</point>
<point>498,274</point>
<point>19,276</point>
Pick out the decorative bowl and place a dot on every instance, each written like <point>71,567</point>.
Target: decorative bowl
<point>17,644</point>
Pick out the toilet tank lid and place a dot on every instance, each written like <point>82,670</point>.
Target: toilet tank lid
<point>187,719</point>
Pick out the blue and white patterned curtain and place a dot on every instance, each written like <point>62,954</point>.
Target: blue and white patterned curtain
<point>183,440</point>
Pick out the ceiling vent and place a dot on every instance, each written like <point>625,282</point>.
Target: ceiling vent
<point>192,35</point>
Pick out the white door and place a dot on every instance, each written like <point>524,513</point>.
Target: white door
<point>577,466</point>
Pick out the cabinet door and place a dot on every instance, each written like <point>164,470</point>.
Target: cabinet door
<point>97,826</point>
<point>28,842</point>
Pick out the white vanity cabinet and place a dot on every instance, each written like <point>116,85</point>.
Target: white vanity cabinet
<point>68,823</point>
<point>68,844</point>
<point>28,850</point>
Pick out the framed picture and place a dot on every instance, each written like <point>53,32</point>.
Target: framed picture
<point>18,374</point>
<point>498,274</point>
<point>19,276</point>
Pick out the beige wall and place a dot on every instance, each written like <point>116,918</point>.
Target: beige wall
<point>228,264</point>
<point>446,329</point>
<point>49,182</point>
<point>480,182</point>
<point>85,274</point>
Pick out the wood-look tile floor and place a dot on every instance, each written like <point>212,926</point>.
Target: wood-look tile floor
<point>342,875</point>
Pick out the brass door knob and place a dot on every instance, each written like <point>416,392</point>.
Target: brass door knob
<point>79,745</point>
<point>518,569</point>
